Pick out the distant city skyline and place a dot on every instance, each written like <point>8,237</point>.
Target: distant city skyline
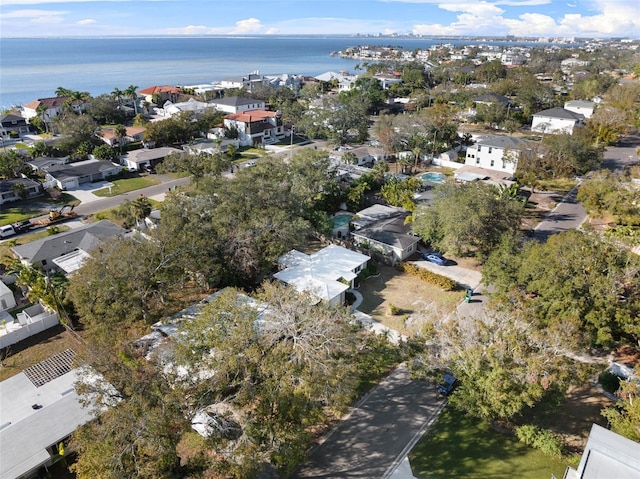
<point>522,18</point>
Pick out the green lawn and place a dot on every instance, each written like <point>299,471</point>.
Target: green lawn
<point>23,210</point>
<point>459,446</point>
<point>126,185</point>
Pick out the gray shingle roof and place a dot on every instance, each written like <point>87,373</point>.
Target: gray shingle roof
<point>85,238</point>
<point>501,141</point>
<point>73,171</point>
<point>560,113</point>
<point>236,101</point>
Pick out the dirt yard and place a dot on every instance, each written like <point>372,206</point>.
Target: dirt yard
<point>408,294</point>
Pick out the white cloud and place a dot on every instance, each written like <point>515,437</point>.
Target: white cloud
<point>272,31</point>
<point>442,3</point>
<point>31,13</point>
<point>482,9</point>
<point>86,21</point>
<point>46,20</point>
<point>189,30</point>
<point>249,25</point>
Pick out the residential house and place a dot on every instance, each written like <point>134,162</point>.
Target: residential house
<point>343,79</point>
<point>49,253</point>
<point>256,127</point>
<point>248,82</point>
<point>569,64</point>
<point>365,155</point>
<point>133,135</point>
<point>30,321</point>
<point>383,230</point>
<point>161,93</point>
<point>13,125</point>
<point>10,191</point>
<point>72,175</point>
<point>496,152</point>
<point>327,274</point>
<point>387,80</point>
<point>7,300</point>
<point>556,120</point>
<point>285,80</point>
<point>170,109</point>
<point>52,107</point>
<point>607,455</point>
<point>40,410</point>
<point>210,147</point>
<point>137,160</point>
<point>237,104</point>
<point>43,163</point>
<point>492,99</point>
<point>582,107</point>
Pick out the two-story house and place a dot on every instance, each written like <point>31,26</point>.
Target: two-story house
<point>237,104</point>
<point>13,125</point>
<point>256,127</point>
<point>556,120</point>
<point>496,152</point>
<point>161,93</point>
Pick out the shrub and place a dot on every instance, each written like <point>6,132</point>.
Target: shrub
<point>393,309</point>
<point>443,282</point>
<point>609,382</point>
<point>543,439</point>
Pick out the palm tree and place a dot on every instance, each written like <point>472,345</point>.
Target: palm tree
<point>131,93</point>
<point>117,93</point>
<point>120,132</point>
<point>42,111</point>
<point>62,91</point>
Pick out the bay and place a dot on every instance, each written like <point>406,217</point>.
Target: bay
<point>32,68</point>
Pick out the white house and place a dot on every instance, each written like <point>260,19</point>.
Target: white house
<point>51,108</point>
<point>7,300</point>
<point>237,104</point>
<point>607,455</point>
<point>256,127</point>
<point>169,108</point>
<point>9,191</point>
<point>244,81</point>
<point>583,107</point>
<point>40,409</point>
<point>556,120</point>
<point>327,274</point>
<point>72,175</point>
<point>495,152</point>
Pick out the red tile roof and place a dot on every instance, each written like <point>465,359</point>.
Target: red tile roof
<point>160,89</point>
<point>48,102</point>
<point>251,115</point>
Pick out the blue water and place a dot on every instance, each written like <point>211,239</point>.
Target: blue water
<point>433,177</point>
<point>33,68</point>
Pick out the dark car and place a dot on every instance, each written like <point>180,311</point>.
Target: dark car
<point>448,385</point>
<point>436,258</point>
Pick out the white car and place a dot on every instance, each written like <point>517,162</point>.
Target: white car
<point>250,163</point>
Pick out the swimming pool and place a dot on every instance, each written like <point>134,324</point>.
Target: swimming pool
<point>340,223</point>
<point>433,177</point>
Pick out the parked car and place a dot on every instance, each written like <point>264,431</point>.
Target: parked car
<point>435,258</point>
<point>250,163</point>
<point>448,385</point>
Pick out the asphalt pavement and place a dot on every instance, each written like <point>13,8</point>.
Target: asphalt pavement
<point>378,433</point>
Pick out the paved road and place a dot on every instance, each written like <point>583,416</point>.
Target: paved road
<point>569,214</point>
<point>374,438</point>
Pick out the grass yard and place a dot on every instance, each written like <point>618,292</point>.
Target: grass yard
<point>111,213</point>
<point>23,210</point>
<point>458,446</point>
<point>126,185</point>
<point>407,293</point>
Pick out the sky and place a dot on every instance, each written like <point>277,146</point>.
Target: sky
<point>530,18</point>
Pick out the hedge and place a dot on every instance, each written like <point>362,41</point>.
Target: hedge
<point>436,279</point>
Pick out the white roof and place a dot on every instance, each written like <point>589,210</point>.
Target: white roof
<point>71,262</point>
<point>26,433</point>
<point>319,273</point>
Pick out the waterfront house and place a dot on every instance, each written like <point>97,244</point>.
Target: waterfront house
<point>170,109</point>
<point>248,82</point>
<point>161,94</point>
<point>556,120</point>
<point>51,108</point>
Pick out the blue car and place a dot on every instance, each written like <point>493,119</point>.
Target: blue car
<point>436,258</point>
<point>448,385</point>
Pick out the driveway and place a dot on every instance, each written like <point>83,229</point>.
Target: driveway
<point>469,278</point>
<point>378,433</point>
<point>569,214</point>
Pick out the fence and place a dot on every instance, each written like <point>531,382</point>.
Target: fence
<point>32,320</point>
